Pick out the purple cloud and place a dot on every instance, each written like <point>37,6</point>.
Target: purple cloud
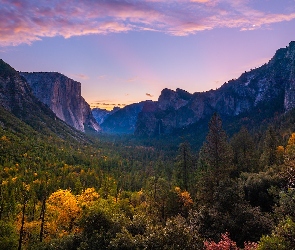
<point>25,21</point>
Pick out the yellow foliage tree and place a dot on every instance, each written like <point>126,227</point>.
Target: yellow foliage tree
<point>88,196</point>
<point>62,213</point>
<point>184,197</point>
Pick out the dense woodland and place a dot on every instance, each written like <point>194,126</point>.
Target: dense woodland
<point>111,192</point>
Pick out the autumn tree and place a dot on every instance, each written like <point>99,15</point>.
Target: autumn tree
<point>226,243</point>
<point>62,213</point>
<point>289,162</point>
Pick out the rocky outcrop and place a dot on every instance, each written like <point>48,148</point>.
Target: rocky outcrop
<point>63,96</point>
<point>271,86</point>
<point>122,121</point>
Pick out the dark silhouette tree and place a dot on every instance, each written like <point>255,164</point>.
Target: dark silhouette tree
<point>184,161</point>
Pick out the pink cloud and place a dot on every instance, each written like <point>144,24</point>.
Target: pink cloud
<point>26,21</point>
<point>132,79</point>
<point>81,76</point>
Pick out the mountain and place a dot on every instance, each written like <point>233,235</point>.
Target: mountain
<point>63,97</point>
<point>266,90</point>
<point>21,112</point>
<point>101,114</point>
<point>122,121</point>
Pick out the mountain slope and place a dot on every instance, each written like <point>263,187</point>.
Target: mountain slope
<point>101,114</point>
<point>63,96</point>
<point>122,121</point>
<point>21,111</point>
<point>268,89</point>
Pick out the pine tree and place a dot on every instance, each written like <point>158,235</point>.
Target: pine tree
<point>244,153</point>
<point>184,161</point>
<point>215,162</point>
<point>216,152</point>
<point>268,157</point>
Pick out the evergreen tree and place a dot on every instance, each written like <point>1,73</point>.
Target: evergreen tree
<point>268,157</point>
<point>244,153</point>
<point>215,162</point>
<point>184,161</point>
<point>216,153</point>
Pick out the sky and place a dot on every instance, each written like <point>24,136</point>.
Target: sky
<point>127,51</point>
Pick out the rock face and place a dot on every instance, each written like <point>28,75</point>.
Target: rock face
<point>17,101</point>
<point>122,121</point>
<point>63,96</point>
<point>272,86</point>
<point>101,114</point>
<point>15,93</point>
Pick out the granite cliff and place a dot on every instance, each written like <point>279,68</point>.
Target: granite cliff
<point>271,86</point>
<point>19,106</point>
<point>63,97</point>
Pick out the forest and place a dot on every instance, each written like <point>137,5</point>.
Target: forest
<point>121,192</point>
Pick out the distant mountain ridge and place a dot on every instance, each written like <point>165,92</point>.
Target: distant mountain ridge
<point>271,86</point>
<point>101,114</point>
<point>63,96</point>
<point>123,120</point>
<point>268,89</point>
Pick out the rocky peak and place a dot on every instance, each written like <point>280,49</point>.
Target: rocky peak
<point>150,106</point>
<point>63,96</point>
<point>173,99</point>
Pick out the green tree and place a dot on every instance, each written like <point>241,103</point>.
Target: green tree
<point>216,153</point>
<point>215,161</point>
<point>244,154</point>
<point>8,235</point>
<point>270,144</point>
<point>158,193</point>
<point>282,237</point>
<point>184,161</point>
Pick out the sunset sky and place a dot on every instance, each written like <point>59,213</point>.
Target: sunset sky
<point>128,51</point>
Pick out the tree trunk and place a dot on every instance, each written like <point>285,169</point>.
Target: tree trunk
<point>21,232</point>
<point>42,215</point>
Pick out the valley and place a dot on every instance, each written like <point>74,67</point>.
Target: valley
<point>189,171</point>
